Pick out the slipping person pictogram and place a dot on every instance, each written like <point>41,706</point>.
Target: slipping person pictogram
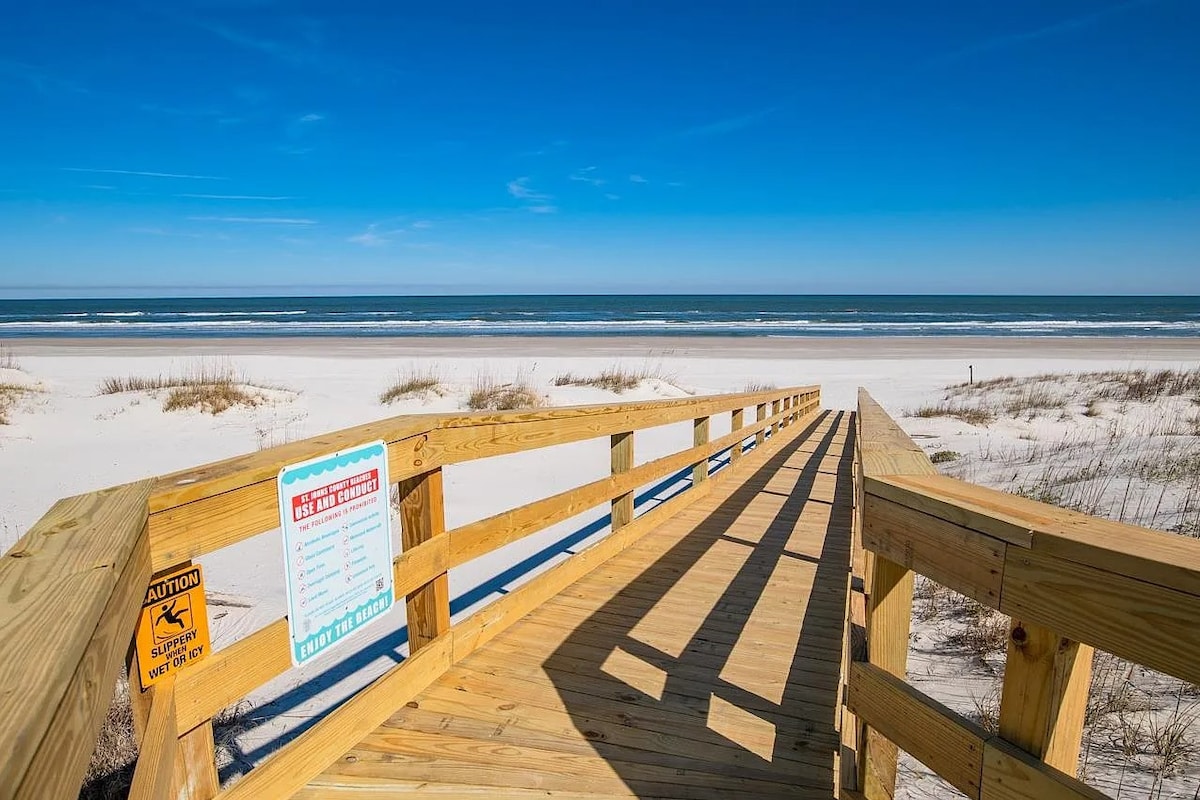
<point>169,616</point>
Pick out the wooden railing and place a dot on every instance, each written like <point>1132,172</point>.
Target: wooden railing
<point>73,585</point>
<point>1068,581</point>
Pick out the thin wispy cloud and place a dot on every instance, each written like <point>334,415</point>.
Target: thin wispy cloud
<point>732,124</point>
<point>231,196</point>
<point>312,118</point>
<point>296,55</point>
<point>637,179</point>
<point>144,174</point>
<point>257,220</point>
<point>1009,40</point>
<point>156,231</point>
<point>382,233</point>
<point>533,200</point>
<point>39,79</point>
<point>587,175</point>
<point>611,196</point>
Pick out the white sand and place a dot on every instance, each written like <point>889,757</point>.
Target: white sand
<point>67,439</point>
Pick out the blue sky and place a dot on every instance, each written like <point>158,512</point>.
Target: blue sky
<point>257,146</point>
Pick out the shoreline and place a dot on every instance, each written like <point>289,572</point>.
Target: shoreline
<point>800,348</point>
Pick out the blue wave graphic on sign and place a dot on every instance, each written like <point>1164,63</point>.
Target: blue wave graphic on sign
<point>342,460</point>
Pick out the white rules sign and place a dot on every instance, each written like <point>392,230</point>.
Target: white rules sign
<point>337,546</point>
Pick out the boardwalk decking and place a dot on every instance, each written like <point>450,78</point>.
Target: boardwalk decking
<point>703,661</point>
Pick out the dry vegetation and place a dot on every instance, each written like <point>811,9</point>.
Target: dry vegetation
<point>210,387</point>
<point>110,772</point>
<point>491,394</point>
<point>10,395</point>
<point>1118,444</point>
<point>8,358</point>
<point>413,382</point>
<point>615,378</point>
<point>760,387</point>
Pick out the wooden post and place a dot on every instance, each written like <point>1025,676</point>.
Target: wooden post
<point>760,412</point>
<point>622,461</point>
<point>1045,694</point>
<point>422,516</point>
<point>889,614</point>
<point>774,411</point>
<point>736,420</point>
<point>787,418</point>
<point>699,437</point>
<point>195,772</point>
<point>795,407</point>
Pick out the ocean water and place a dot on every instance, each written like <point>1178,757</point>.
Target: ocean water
<point>605,315</point>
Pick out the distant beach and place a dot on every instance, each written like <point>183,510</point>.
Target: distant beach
<point>742,316</point>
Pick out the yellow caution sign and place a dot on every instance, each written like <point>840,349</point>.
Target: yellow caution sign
<point>173,629</point>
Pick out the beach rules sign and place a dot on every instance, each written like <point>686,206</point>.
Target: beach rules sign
<point>337,546</point>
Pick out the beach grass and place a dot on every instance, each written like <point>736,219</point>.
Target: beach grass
<point>615,378</point>
<point>10,395</point>
<point>211,387</point>
<point>489,393</point>
<point>412,382</point>
<point>8,358</point>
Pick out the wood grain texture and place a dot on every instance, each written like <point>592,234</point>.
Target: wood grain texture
<point>620,462</point>
<point>737,421</point>
<point>1142,622</point>
<point>71,589</point>
<point>889,616</point>
<point>1045,694</point>
<point>962,559</point>
<point>946,742</point>
<point>699,439</point>
<point>1164,559</point>
<point>1009,774</point>
<point>305,757</point>
<point>155,768</point>
<point>423,518</point>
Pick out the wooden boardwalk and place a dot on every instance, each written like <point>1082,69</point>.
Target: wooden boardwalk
<point>704,661</point>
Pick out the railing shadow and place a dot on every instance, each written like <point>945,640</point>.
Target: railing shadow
<point>239,760</point>
<point>801,722</point>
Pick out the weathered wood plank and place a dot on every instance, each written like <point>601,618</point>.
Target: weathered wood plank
<point>942,740</point>
<point>71,589</point>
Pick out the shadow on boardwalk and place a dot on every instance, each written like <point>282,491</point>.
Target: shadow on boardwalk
<point>784,736</point>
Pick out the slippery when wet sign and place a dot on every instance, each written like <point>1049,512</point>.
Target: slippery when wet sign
<point>172,631</point>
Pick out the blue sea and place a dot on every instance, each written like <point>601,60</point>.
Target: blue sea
<point>604,315</point>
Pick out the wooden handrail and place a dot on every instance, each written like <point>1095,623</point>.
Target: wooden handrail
<point>1067,580</point>
<point>205,509</point>
<point>72,588</point>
